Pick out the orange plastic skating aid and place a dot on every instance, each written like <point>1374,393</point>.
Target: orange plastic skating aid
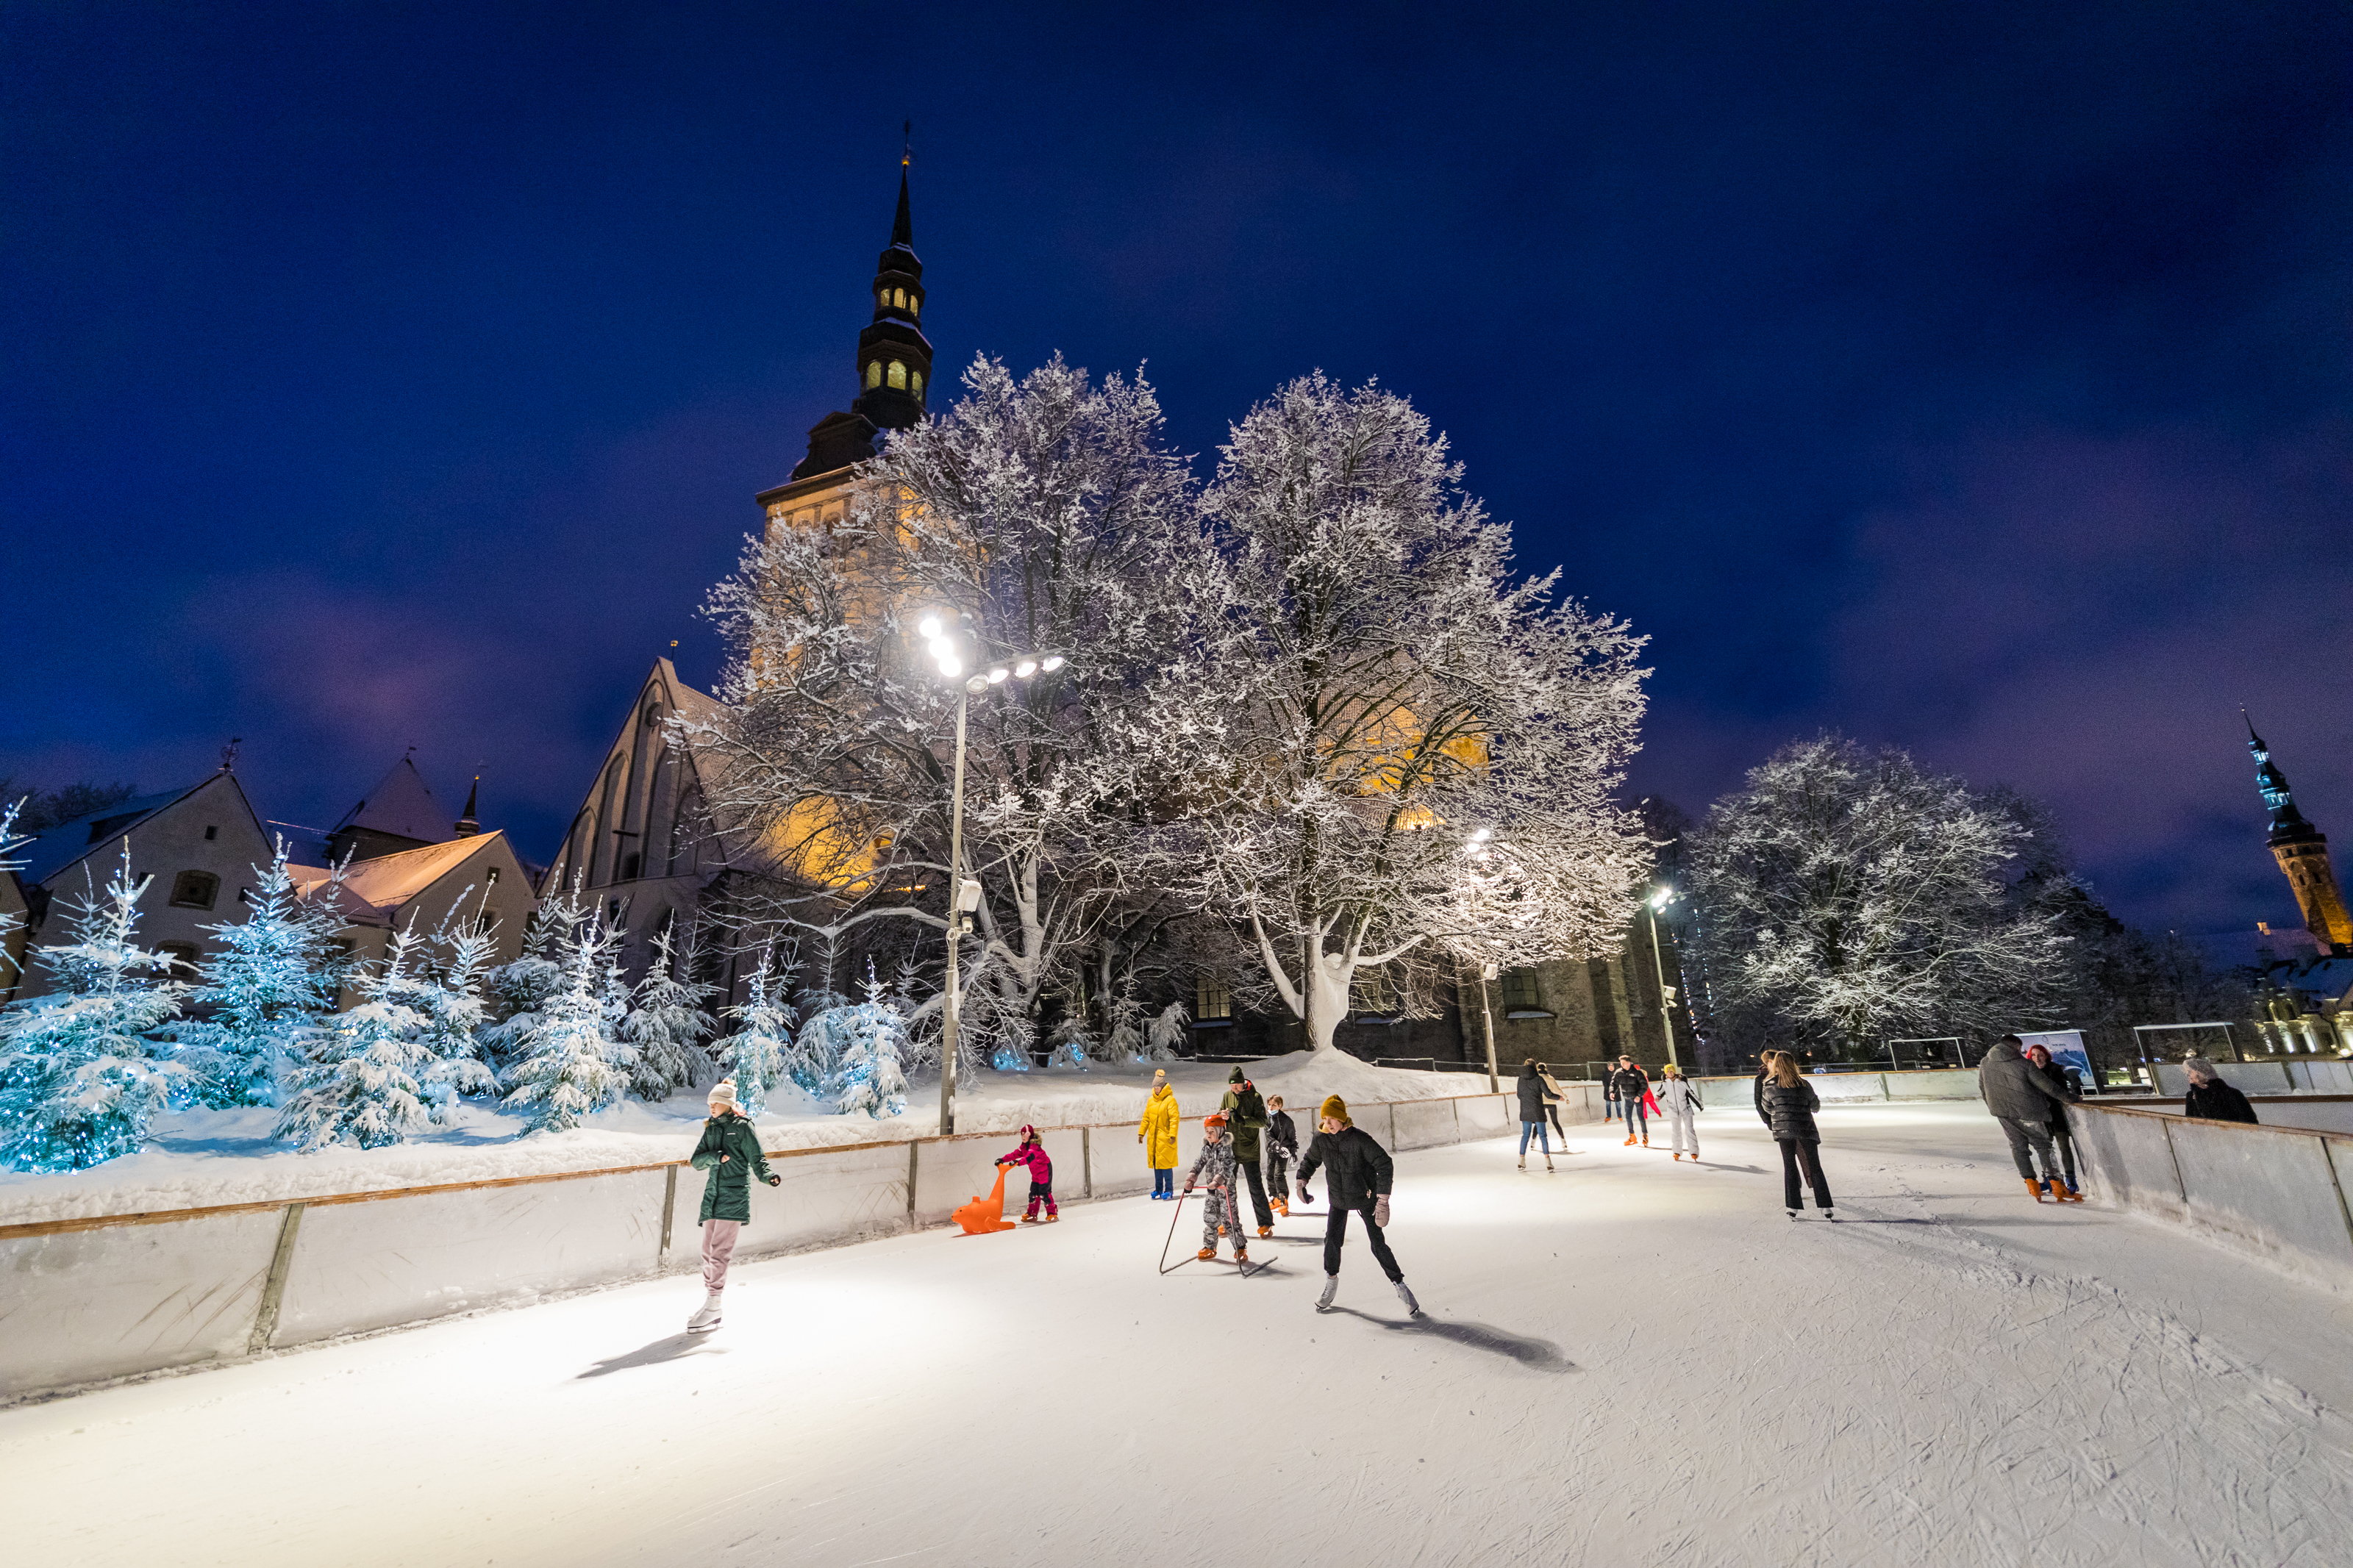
<point>982,1215</point>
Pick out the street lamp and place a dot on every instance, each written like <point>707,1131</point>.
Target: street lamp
<point>1657,901</point>
<point>963,893</point>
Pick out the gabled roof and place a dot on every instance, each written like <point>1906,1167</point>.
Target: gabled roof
<point>402,805</point>
<point>59,848</point>
<point>380,887</point>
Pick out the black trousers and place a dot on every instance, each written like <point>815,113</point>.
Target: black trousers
<point>2065,1145</point>
<point>1249,1168</point>
<point>1809,1153</point>
<point>1277,1173</point>
<point>2025,1135</point>
<point>1335,1232</point>
<point>1552,1110</point>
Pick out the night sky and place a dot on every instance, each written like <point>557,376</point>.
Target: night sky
<point>1965,376</point>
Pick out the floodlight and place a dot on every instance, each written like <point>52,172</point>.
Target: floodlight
<point>1662,898</point>
<point>1026,669</point>
<point>1053,661</point>
<point>976,685</point>
<point>968,895</point>
<point>930,627</point>
<point>1490,970</point>
<point>950,666</point>
<point>998,674</point>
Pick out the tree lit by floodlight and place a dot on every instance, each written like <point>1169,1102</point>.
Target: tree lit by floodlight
<point>930,627</point>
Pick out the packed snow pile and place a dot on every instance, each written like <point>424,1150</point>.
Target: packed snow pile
<point>202,1158</point>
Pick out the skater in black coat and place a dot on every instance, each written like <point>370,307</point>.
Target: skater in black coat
<point>1789,1106</point>
<point>2037,1058</point>
<point>1282,1154</point>
<point>1360,1174</point>
<point>1531,1088</point>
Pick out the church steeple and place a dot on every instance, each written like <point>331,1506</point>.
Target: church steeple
<point>2302,851</point>
<point>894,358</point>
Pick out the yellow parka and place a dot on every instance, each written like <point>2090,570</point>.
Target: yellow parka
<point>1159,1128</point>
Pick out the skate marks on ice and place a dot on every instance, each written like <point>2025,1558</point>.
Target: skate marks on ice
<point>672,1347</point>
<point>1535,1355</point>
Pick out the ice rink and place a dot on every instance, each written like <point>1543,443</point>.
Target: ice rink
<point>1627,1362</point>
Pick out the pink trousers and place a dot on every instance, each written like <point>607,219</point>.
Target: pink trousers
<point>718,1246</point>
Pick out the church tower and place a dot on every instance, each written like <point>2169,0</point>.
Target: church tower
<point>2302,851</point>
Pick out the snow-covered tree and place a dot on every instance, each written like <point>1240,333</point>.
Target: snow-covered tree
<point>81,1073</point>
<point>446,992</point>
<point>268,981</point>
<point>364,1077</point>
<point>763,1045</point>
<point>518,992</point>
<point>1386,698</point>
<point>1855,897</point>
<point>869,1075</point>
<point>572,1061</point>
<point>9,839</point>
<point>671,1017</point>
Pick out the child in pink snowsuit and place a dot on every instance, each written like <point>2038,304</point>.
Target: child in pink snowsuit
<point>1032,1154</point>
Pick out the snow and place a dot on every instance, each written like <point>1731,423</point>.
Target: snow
<point>1630,1361</point>
<point>197,1159</point>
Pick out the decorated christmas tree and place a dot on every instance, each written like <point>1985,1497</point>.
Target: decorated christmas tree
<point>757,1054</point>
<point>269,982</point>
<point>671,1019</point>
<point>871,1047</point>
<point>573,1062</point>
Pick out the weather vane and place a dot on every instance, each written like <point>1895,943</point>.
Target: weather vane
<point>229,753</point>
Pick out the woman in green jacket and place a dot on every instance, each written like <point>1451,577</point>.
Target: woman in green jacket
<point>729,1150</point>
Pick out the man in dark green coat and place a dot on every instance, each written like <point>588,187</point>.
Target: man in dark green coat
<point>729,1150</point>
<point>1245,1111</point>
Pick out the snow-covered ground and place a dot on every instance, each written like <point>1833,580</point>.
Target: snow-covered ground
<point>201,1158</point>
<point>1629,1362</point>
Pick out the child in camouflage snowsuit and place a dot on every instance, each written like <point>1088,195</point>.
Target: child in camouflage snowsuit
<point>1215,1170</point>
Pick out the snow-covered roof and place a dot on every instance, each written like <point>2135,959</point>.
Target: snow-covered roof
<point>51,852</point>
<point>402,805</point>
<point>373,890</point>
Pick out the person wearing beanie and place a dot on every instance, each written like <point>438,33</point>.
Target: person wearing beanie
<point>1281,1149</point>
<point>1158,1133</point>
<point>1361,1173</point>
<point>1214,1168</point>
<point>1031,1157</point>
<point>729,1150</point>
<point>1245,1116</point>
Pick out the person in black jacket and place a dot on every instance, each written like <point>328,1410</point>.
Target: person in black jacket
<point>2038,1056</point>
<point>1531,1088</point>
<point>1361,1171</point>
<point>1281,1149</point>
<point>1630,1084</point>
<point>1789,1106</point>
<point>2211,1099</point>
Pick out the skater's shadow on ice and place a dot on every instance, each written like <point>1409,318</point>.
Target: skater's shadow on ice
<point>1745,1170</point>
<point>677,1347</point>
<point>1536,1355</point>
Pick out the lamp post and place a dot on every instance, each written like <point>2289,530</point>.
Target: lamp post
<point>1657,901</point>
<point>1487,1016</point>
<point>964,895</point>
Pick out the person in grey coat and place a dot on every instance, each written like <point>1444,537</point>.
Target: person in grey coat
<point>1788,1103</point>
<point>2024,1101</point>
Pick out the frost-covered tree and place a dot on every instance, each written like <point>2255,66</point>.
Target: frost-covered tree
<point>364,1077</point>
<point>9,839</point>
<point>869,1075</point>
<point>517,993</point>
<point>268,981</point>
<point>670,1018</point>
<point>572,1061</point>
<point>1853,896</point>
<point>1387,697</point>
<point>446,992</point>
<point>1039,515</point>
<point>763,1045</point>
<point>81,1072</point>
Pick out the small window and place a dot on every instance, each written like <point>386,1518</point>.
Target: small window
<point>881,298</point>
<point>212,833</point>
<point>195,890</point>
<point>874,373</point>
<point>487,921</point>
<point>914,305</point>
<point>898,297</point>
<point>898,377</point>
<point>183,955</point>
<point>1519,991</point>
<point>1211,1001</point>
<point>916,382</point>
<point>629,866</point>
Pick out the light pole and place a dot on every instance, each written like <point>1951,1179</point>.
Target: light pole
<point>963,897</point>
<point>1477,850</point>
<point>1657,901</point>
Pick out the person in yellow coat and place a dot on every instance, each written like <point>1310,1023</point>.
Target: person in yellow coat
<point>1158,1133</point>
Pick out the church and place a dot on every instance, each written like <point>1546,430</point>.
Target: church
<point>644,845</point>
<point>2305,998</point>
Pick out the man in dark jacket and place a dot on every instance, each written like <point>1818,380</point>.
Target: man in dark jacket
<point>1245,1118</point>
<point>2024,1103</point>
<point>729,1150</point>
<point>1630,1084</point>
<point>1360,1177</point>
<point>2212,1099</point>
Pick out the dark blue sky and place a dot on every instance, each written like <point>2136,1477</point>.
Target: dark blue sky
<point>1972,377</point>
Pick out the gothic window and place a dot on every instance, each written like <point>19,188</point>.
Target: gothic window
<point>898,377</point>
<point>881,298</point>
<point>1212,1003</point>
<point>195,890</point>
<point>898,297</point>
<point>1520,991</point>
<point>874,373</point>
<point>916,382</point>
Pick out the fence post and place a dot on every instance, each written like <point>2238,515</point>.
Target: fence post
<point>1393,1142</point>
<point>2181,1187</point>
<point>1086,1162</point>
<point>1885,1091</point>
<point>1458,1120</point>
<point>669,1209</point>
<point>273,1290</point>
<point>914,1147</point>
<point>2335,1181</point>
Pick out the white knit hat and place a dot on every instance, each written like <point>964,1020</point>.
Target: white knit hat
<point>723,1091</point>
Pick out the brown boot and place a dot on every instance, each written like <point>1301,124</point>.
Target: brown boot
<point>1266,1230</point>
<point>2035,1189</point>
<point>1206,1254</point>
<point>1630,1139</point>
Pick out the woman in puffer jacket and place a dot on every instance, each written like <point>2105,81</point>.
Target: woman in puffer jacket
<point>1679,1098</point>
<point>1789,1106</point>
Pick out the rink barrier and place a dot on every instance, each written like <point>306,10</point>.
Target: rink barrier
<point>87,1300</point>
<point>1850,1087</point>
<point>2275,1192</point>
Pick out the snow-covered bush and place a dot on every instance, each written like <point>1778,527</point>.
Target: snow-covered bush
<point>81,1074</point>
<point>362,1079</point>
<point>1073,1045</point>
<point>270,979</point>
<point>870,1075</point>
<point>447,996</point>
<point>517,992</point>
<point>758,1053</point>
<point>9,921</point>
<point>573,1062</point>
<point>671,1020</point>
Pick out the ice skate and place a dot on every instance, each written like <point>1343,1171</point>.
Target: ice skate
<point>1412,1306</point>
<point>1793,1214</point>
<point>1049,1219</point>
<point>1206,1254</point>
<point>1282,1206</point>
<point>1646,1139</point>
<point>1029,1219</point>
<point>2071,1196</point>
<point>1630,1139</point>
<point>703,1321</point>
<point>1266,1230</point>
<point>2035,1189</point>
<point>1241,1255</point>
<point>1547,1161</point>
<point>1331,1289</point>
<point>1524,1162</point>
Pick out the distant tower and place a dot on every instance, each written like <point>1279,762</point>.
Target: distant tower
<point>2302,851</point>
<point>894,358</point>
<point>469,825</point>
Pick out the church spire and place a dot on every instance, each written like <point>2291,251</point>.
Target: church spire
<point>468,825</point>
<point>2302,851</point>
<point>894,358</point>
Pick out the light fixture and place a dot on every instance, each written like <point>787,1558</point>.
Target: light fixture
<point>1662,898</point>
<point>950,666</point>
<point>976,685</point>
<point>998,674</point>
<point>1026,669</point>
<point>930,627</point>
<point>1053,661</point>
<point>968,895</point>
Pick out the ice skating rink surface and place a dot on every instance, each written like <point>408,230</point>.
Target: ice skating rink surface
<point>1627,1362</point>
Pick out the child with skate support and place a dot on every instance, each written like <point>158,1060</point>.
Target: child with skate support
<point>1215,1170</point>
<point>1032,1156</point>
